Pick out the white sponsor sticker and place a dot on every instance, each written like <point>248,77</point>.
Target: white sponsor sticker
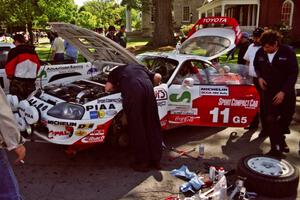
<point>214,91</point>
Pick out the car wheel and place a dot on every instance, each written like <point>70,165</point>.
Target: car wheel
<point>268,175</point>
<point>118,135</point>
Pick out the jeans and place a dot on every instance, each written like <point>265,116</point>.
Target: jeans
<point>9,189</point>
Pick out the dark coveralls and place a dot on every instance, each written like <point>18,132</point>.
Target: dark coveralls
<point>280,75</point>
<point>140,107</point>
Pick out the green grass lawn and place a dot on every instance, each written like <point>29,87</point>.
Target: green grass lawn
<point>43,50</point>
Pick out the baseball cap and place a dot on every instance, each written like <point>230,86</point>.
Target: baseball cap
<point>257,32</point>
<point>245,35</point>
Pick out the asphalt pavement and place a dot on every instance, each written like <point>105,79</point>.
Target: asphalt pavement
<point>104,173</point>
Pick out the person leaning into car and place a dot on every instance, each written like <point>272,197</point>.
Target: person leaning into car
<point>139,104</point>
<point>10,139</point>
<point>277,70</point>
<point>21,68</point>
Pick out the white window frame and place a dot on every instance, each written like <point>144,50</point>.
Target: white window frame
<point>292,11</point>
<point>189,14</point>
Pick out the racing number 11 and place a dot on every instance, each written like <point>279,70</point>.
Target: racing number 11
<point>215,113</point>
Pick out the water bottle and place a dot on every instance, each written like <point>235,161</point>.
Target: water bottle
<point>212,173</point>
<point>201,151</point>
<point>221,173</point>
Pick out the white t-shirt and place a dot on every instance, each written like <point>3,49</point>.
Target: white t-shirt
<point>58,45</point>
<point>249,56</point>
<point>271,56</point>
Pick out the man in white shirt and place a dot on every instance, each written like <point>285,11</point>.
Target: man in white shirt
<point>58,48</point>
<point>249,57</point>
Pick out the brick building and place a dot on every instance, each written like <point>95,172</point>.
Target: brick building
<point>249,13</point>
<point>253,13</point>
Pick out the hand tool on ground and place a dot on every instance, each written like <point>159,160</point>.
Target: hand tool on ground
<point>182,153</point>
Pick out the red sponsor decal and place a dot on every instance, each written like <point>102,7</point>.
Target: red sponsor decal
<point>93,139</point>
<point>186,119</point>
<point>97,132</point>
<point>57,133</point>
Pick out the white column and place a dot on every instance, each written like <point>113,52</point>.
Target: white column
<point>253,15</point>
<point>257,14</point>
<point>249,15</point>
<point>222,10</point>
<point>213,12</point>
<point>128,20</point>
<point>199,15</point>
<point>206,13</point>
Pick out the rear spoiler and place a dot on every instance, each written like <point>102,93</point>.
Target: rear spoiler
<point>218,20</point>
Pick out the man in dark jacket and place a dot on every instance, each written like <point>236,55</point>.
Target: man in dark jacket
<point>21,68</point>
<point>139,104</point>
<point>277,69</point>
<point>121,37</point>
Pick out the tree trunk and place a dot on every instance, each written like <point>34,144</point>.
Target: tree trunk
<point>31,36</point>
<point>163,29</point>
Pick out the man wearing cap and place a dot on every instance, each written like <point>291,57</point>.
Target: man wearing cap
<point>243,46</point>
<point>10,139</point>
<point>249,57</point>
<point>276,67</point>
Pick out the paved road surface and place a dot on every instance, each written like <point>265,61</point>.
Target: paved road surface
<point>103,173</point>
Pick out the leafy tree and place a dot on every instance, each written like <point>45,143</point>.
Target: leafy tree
<point>28,12</point>
<point>107,12</point>
<point>86,19</point>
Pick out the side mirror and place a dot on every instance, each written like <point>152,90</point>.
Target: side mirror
<point>188,83</point>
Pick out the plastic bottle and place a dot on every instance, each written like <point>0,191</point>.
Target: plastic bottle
<point>212,173</point>
<point>201,151</point>
<point>221,173</point>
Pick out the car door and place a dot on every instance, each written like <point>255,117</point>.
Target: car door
<point>228,99</point>
<point>183,92</point>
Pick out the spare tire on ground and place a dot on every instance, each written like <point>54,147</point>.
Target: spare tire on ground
<point>269,176</point>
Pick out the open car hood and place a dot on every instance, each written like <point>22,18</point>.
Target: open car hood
<point>209,42</point>
<point>93,46</point>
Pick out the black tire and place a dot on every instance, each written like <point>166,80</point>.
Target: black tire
<point>266,184</point>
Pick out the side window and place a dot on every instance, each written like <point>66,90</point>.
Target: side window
<point>163,66</point>
<point>191,69</point>
<point>223,75</point>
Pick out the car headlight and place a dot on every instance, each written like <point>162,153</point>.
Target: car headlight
<point>66,111</point>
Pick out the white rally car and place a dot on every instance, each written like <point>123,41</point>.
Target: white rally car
<point>80,112</point>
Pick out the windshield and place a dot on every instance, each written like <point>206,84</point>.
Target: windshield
<point>205,45</point>
<point>164,66</point>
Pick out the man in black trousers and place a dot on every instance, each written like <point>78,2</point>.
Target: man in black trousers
<point>139,104</point>
<point>276,67</point>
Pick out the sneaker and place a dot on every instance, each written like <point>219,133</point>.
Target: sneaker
<point>274,153</point>
<point>284,147</point>
<point>140,167</point>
